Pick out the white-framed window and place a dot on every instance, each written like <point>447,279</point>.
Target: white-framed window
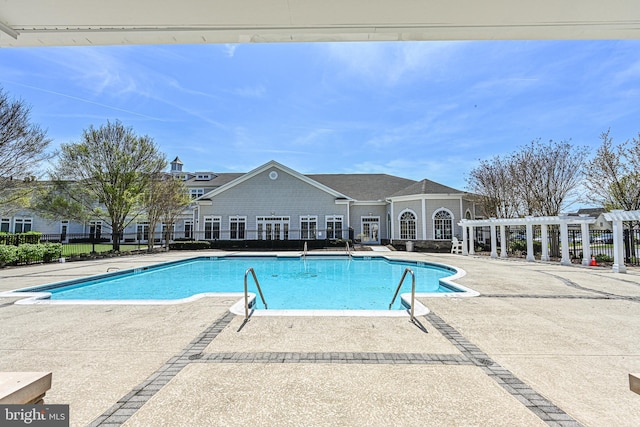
<point>142,231</point>
<point>443,224</point>
<point>64,229</point>
<point>334,226</point>
<point>5,225</point>
<point>203,177</point>
<point>237,227</point>
<point>167,230</point>
<point>408,225</point>
<point>273,227</point>
<point>95,229</point>
<point>22,225</point>
<point>196,192</point>
<point>308,226</point>
<point>188,228</point>
<point>212,227</point>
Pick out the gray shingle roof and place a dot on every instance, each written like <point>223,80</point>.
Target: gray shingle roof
<point>426,187</point>
<point>363,186</point>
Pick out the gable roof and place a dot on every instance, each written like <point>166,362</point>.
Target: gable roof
<point>273,164</point>
<point>363,186</point>
<point>591,211</point>
<point>426,186</point>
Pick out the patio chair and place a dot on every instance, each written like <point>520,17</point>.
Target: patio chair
<point>456,246</point>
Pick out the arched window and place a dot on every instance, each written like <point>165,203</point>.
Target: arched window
<point>442,224</point>
<point>407,226</point>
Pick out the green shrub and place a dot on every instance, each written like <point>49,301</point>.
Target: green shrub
<point>29,252</point>
<point>191,245</point>
<point>521,245</point>
<point>8,254</point>
<point>52,251</point>
<point>32,237</point>
<point>603,258</point>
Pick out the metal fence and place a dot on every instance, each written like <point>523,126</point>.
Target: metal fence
<point>28,248</point>
<point>600,242</point>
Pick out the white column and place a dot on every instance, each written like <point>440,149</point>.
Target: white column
<point>564,242</point>
<point>529,228</point>
<point>472,249</point>
<point>424,219</point>
<point>586,244</point>
<point>464,240</point>
<point>545,242</point>
<point>618,248</point>
<point>494,251</point>
<point>393,221</point>
<point>503,241</point>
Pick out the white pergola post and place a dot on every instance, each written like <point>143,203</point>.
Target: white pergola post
<point>617,217</point>
<point>618,248</point>
<point>529,229</point>
<point>564,242</point>
<point>586,243</point>
<point>544,237</point>
<point>503,241</point>
<point>472,249</point>
<point>465,240</point>
<point>494,251</point>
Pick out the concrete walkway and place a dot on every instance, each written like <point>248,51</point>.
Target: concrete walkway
<point>543,345</point>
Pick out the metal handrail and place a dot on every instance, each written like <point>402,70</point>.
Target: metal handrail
<point>348,249</point>
<point>304,251</point>
<point>246,293</point>
<point>413,289</point>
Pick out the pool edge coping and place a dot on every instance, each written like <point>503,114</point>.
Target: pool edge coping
<point>237,308</point>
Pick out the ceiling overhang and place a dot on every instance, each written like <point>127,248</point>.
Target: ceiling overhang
<point>115,22</point>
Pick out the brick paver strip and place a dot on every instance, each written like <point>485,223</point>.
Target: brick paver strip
<point>471,355</point>
<point>535,402</point>
<point>125,407</point>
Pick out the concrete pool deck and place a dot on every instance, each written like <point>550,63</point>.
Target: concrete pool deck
<point>544,344</point>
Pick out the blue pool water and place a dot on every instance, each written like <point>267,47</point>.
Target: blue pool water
<point>339,283</point>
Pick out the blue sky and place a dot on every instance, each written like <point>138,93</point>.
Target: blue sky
<point>412,109</point>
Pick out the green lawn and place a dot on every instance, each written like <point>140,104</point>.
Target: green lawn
<point>85,248</point>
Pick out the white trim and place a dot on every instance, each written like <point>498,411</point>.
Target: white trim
<point>435,196</point>
<point>424,217</point>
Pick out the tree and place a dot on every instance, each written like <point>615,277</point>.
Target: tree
<point>23,147</point>
<point>538,179</point>
<point>490,181</point>
<point>104,176</point>
<point>164,200</point>
<point>613,175</point>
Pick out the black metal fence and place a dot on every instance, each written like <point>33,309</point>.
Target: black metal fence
<point>600,242</point>
<point>28,248</point>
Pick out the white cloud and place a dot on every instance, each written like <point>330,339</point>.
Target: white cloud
<point>391,63</point>
<point>230,50</point>
<point>250,91</point>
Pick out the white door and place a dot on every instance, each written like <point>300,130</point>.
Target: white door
<point>370,229</point>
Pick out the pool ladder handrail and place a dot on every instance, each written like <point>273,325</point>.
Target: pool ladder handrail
<point>304,251</point>
<point>348,249</point>
<point>413,289</point>
<point>246,292</point>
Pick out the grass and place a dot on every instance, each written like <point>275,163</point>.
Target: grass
<point>86,248</point>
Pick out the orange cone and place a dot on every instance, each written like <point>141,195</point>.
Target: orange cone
<point>593,261</point>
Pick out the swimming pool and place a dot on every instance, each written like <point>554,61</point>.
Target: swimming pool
<point>288,283</point>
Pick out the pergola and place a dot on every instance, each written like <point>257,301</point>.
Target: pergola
<point>617,217</point>
<point>114,22</point>
<point>543,221</point>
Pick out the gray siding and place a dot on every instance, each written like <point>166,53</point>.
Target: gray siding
<point>261,196</point>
